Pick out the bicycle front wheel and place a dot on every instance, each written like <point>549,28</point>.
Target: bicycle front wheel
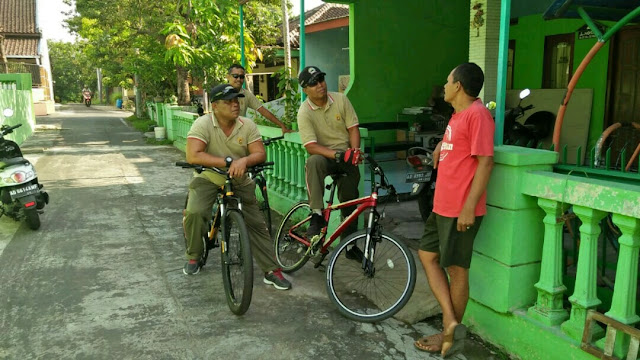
<point>237,264</point>
<point>290,252</point>
<point>376,294</point>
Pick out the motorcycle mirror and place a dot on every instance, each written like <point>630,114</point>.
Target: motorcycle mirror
<point>524,93</point>
<point>7,112</point>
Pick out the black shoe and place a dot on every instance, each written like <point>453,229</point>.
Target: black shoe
<point>354,254</point>
<point>192,267</point>
<point>317,223</point>
<point>276,279</point>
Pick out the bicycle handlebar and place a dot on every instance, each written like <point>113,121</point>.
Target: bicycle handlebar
<point>268,141</point>
<point>8,129</point>
<point>200,168</point>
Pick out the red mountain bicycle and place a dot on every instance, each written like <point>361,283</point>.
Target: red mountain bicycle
<point>369,285</point>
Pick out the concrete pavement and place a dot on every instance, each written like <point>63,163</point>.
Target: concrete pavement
<point>102,278</point>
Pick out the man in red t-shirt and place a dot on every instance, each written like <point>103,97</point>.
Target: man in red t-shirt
<point>464,159</point>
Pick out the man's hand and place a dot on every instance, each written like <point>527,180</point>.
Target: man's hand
<point>349,156</point>
<point>285,130</point>
<point>238,167</point>
<point>436,155</point>
<point>466,219</point>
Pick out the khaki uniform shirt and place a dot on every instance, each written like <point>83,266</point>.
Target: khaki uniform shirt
<point>236,145</point>
<point>327,126</point>
<point>249,100</point>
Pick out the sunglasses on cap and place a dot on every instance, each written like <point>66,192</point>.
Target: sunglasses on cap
<point>235,76</point>
<point>318,79</point>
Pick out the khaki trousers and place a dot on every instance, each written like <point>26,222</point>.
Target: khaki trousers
<point>202,195</point>
<point>316,169</point>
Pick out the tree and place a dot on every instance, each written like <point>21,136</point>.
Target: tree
<point>168,41</point>
<point>71,70</point>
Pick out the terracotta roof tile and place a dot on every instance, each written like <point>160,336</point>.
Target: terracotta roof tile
<point>18,16</point>
<point>316,15</point>
<point>21,47</point>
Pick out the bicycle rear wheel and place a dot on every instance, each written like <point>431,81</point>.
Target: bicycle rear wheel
<point>375,295</point>
<point>237,264</point>
<point>291,253</point>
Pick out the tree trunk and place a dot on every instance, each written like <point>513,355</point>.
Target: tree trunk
<point>184,98</point>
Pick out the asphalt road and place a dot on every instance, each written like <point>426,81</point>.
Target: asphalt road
<point>102,278</point>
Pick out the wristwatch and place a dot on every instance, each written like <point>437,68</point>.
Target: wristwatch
<point>228,160</point>
<point>339,156</point>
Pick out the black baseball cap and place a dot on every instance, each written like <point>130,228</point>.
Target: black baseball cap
<point>308,74</point>
<point>223,92</point>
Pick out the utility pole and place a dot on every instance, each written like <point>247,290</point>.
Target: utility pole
<point>285,38</point>
<point>136,89</point>
<point>99,76</point>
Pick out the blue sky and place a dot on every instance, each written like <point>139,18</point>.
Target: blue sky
<point>51,17</point>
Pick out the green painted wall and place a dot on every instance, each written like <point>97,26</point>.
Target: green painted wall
<point>529,35</point>
<point>329,50</point>
<point>399,50</point>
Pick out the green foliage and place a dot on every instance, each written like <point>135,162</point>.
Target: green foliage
<point>288,88</point>
<point>114,96</point>
<point>71,70</point>
<point>168,43</point>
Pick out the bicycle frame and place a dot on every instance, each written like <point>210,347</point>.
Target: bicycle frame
<point>363,203</point>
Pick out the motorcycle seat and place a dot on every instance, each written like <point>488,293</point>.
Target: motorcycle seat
<point>4,163</point>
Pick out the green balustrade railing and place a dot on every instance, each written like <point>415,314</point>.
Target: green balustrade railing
<point>590,200</point>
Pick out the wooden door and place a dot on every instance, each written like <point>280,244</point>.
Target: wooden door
<point>624,104</point>
<point>624,91</point>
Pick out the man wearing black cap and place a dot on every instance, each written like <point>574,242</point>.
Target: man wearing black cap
<point>328,127</point>
<point>225,140</point>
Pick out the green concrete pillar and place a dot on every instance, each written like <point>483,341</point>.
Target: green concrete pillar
<point>301,153</point>
<point>623,303</point>
<point>508,248</point>
<point>293,165</point>
<point>280,168</point>
<point>548,308</point>
<point>584,295</point>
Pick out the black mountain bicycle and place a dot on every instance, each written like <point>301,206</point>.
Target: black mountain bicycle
<point>262,194</point>
<point>233,240</point>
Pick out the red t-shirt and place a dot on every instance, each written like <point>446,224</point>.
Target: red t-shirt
<point>469,134</point>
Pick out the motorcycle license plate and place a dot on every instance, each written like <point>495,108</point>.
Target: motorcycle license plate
<point>421,176</point>
<point>23,191</point>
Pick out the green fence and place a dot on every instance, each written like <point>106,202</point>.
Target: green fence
<point>15,94</point>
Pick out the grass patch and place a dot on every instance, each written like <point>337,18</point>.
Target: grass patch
<point>153,141</point>
<point>145,125</point>
<point>141,124</point>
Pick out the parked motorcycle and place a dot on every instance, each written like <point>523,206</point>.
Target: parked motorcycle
<point>21,196</point>
<point>423,176</point>
<point>528,134</point>
<point>87,98</point>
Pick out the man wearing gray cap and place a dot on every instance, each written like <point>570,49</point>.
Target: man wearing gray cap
<point>328,127</point>
<point>225,140</point>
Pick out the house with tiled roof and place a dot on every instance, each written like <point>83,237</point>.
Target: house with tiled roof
<point>24,49</point>
<point>327,44</point>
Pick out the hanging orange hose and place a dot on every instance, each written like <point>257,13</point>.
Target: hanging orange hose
<point>572,84</point>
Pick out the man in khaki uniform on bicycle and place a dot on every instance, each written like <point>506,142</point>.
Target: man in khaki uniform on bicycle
<point>328,127</point>
<point>225,140</point>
